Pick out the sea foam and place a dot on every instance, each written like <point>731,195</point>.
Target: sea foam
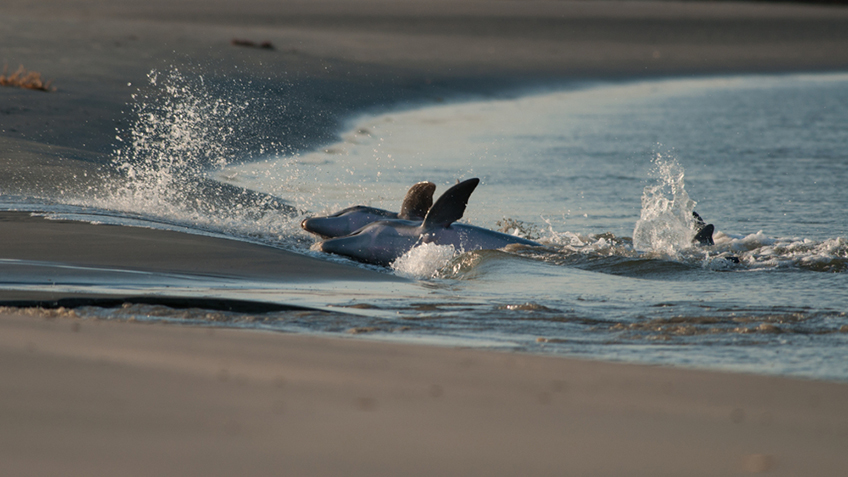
<point>424,260</point>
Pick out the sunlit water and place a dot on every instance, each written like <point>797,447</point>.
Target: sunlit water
<point>604,175</point>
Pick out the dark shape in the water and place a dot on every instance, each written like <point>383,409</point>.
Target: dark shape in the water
<point>705,231</point>
<point>415,205</point>
<point>731,258</point>
<point>384,241</point>
<point>265,45</point>
<point>705,237</point>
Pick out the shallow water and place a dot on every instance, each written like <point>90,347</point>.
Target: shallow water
<point>605,175</point>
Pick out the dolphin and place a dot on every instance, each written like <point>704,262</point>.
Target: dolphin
<point>415,205</point>
<point>384,241</point>
<point>704,234</point>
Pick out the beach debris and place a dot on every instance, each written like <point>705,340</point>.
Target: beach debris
<point>265,45</point>
<point>25,79</point>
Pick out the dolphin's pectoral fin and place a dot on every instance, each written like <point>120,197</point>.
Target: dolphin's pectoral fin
<point>451,205</point>
<point>705,235</point>
<point>418,200</point>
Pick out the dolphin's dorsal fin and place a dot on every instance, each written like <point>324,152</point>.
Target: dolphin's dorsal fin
<point>451,205</point>
<point>705,235</point>
<point>705,231</point>
<point>417,202</point>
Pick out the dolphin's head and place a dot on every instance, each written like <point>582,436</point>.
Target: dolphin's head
<point>345,221</point>
<point>380,242</point>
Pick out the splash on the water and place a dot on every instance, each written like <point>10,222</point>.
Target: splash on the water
<point>179,132</point>
<point>666,225</point>
<point>424,260</point>
<point>185,128</point>
<point>758,251</point>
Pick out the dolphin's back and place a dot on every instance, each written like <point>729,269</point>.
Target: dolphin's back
<point>468,238</point>
<point>415,206</point>
<point>478,238</point>
<point>346,222</point>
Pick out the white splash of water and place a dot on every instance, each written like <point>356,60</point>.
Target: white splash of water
<point>183,131</point>
<point>666,224</point>
<point>179,132</point>
<point>424,260</point>
<point>758,251</point>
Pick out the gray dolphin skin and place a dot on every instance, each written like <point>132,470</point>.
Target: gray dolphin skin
<point>415,205</point>
<point>384,241</point>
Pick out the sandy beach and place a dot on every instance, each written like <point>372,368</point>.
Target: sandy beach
<point>94,397</point>
<point>100,398</point>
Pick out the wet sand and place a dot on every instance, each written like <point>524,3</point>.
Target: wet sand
<point>96,398</point>
<point>29,238</point>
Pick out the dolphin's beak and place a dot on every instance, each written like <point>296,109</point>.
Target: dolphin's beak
<point>324,247</point>
<point>314,225</point>
<point>341,245</point>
